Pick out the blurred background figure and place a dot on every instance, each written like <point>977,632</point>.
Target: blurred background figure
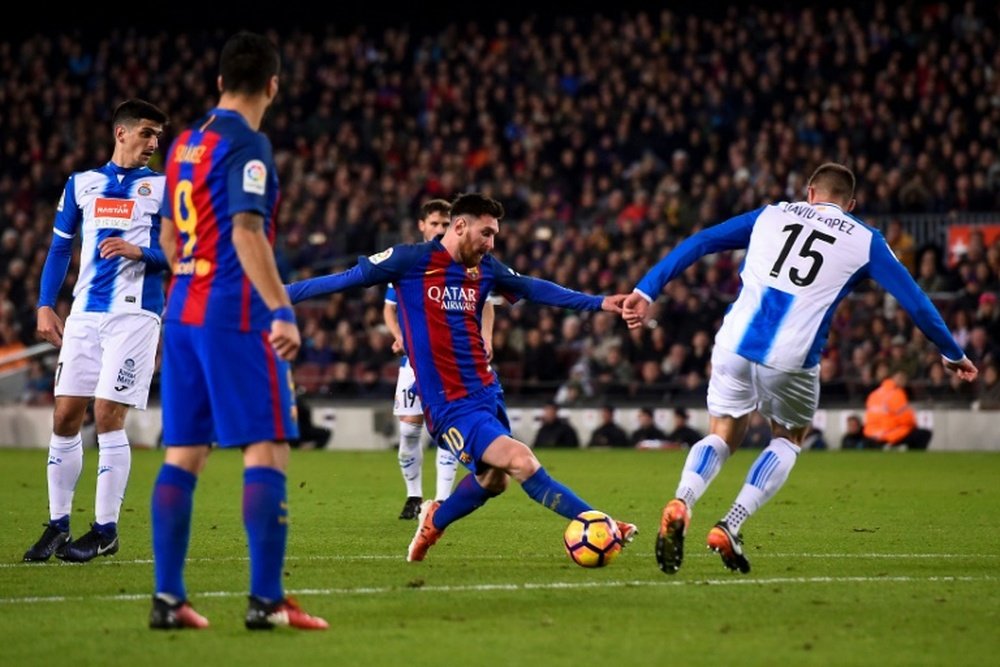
<point>609,434</point>
<point>890,420</point>
<point>648,435</point>
<point>555,431</point>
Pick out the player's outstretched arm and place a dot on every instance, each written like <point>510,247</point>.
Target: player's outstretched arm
<point>885,269</point>
<point>729,235</point>
<point>310,288</point>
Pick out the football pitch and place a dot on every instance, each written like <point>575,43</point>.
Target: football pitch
<point>863,558</point>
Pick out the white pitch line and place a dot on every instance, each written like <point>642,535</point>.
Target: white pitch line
<point>401,557</point>
<point>560,585</point>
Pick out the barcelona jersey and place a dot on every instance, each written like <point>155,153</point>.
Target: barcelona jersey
<point>215,169</point>
<point>440,306</point>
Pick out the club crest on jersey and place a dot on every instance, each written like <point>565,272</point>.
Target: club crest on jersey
<point>472,272</point>
<point>380,257</point>
<point>453,298</point>
<point>254,177</point>
<point>113,213</point>
<point>144,189</point>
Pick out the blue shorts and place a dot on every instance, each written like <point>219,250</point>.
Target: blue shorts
<point>468,426</point>
<point>224,387</point>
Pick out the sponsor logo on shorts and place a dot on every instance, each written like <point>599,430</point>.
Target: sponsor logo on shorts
<point>126,375</point>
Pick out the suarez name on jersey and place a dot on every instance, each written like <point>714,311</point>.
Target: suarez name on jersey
<point>216,169</point>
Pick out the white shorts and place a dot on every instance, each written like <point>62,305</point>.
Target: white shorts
<point>739,386</point>
<point>407,402</point>
<point>108,355</point>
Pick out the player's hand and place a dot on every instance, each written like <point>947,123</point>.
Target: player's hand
<point>635,310</point>
<point>964,369</point>
<point>397,346</point>
<point>118,247</point>
<point>285,339</point>
<point>613,303</point>
<point>489,350</point>
<point>50,326</point>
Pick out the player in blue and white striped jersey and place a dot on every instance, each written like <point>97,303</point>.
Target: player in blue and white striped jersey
<point>802,258</point>
<point>110,337</point>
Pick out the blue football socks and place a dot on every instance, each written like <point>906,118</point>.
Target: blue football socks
<point>467,497</point>
<point>265,517</point>
<point>171,513</point>
<point>553,495</point>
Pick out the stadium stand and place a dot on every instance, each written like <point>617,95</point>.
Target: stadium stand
<point>608,139</point>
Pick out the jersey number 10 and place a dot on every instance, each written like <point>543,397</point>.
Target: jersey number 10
<point>806,251</point>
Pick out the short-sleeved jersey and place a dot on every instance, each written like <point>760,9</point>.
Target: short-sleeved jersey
<point>109,202</point>
<point>215,169</point>
<point>802,259</point>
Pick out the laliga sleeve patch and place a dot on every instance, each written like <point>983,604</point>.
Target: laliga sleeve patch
<point>254,177</point>
<point>380,257</point>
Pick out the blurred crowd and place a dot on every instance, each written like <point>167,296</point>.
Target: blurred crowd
<point>608,139</point>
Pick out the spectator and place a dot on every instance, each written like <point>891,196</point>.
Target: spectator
<point>311,436</point>
<point>854,436</point>
<point>890,420</point>
<point>648,435</point>
<point>609,434</point>
<point>682,435</point>
<point>10,345</point>
<point>989,393</point>
<point>555,431</point>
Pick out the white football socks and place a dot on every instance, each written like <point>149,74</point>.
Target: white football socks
<point>63,472</point>
<point>113,465</point>
<point>766,477</point>
<point>446,467</point>
<point>703,463</point>
<point>411,458</point>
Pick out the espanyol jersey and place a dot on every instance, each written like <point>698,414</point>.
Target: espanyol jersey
<point>440,305</point>
<point>107,202</point>
<point>801,260</point>
<point>215,169</point>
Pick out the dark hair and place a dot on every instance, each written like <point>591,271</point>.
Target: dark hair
<point>247,63</point>
<point>681,412</point>
<point>835,179</point>
<point>434,206</point>
<point>646,411</point>
<point>132,111</point>
<point>476,205</point>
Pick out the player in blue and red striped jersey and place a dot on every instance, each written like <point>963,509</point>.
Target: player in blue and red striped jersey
<point>228,336</point>
<point>441,287</point>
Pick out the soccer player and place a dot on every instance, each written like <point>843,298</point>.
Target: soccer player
<point>802,258</point>
<point>110,337</point>
<point>441,287</point>
<point>433,222</point>
<point>229,334</point>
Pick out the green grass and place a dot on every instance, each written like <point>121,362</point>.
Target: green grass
<point>864,558</point>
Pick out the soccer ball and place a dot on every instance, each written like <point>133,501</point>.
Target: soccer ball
<point>592,539</point>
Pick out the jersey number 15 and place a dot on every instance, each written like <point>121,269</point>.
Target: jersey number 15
<point>806,250</point>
